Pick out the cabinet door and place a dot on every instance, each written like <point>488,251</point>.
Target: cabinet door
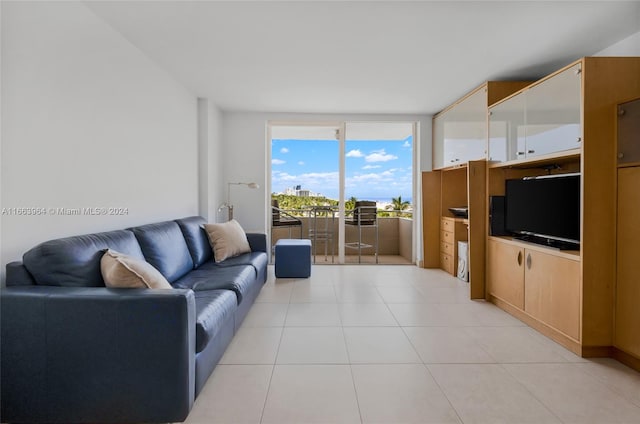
<point>506,272</point>
<point>552,291</point>
<point>506,130</point>
<point>629,132</point>
<point>460,133</point>
<point>553,114</point>
<point>627,329</point>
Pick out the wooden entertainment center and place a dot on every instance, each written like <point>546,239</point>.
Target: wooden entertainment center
<point>563,123</point>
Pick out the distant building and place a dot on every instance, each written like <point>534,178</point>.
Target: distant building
<point>300,192</point>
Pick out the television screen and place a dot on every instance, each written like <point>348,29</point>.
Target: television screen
<point>547,206</point>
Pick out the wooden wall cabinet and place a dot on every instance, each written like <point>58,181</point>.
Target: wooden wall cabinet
<point>571,296</point>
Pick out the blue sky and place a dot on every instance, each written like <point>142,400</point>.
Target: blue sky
<point>375,169</point>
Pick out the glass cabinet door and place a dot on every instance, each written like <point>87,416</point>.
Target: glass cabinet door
<point>553,114</point>
<point>629,132</point>
<point>460,133</point>
<point>506,130</point>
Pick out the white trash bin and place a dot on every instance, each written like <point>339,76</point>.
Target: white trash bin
<point>463,260</point>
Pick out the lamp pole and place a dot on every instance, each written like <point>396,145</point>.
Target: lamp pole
<point>228,204</point>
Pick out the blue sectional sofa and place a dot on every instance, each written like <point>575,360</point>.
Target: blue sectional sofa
<point>74,351</point>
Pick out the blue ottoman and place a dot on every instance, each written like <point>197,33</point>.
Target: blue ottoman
<point>293,258</point>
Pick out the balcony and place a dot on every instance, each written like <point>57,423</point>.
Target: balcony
<point>395,240</point>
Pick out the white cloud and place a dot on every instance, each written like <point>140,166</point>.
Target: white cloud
<point>354,154</point>
<point>406,144</point>
<point>301,163</point>
<point>284,150</point>
<point>371,166</point>
<point>278,162</point>
<point>380,156</point>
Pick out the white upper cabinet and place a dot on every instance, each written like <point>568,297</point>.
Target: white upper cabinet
<point>542,119</point>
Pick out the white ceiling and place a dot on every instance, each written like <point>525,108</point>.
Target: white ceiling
<point>359,56</point>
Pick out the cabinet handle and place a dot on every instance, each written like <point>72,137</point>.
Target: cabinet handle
<point>531,151</point>
<point>579,139</point>
<point>529,261</point>
<point>520,153</point>
<point>519,258</point>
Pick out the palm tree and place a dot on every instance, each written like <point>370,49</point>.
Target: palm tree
<point>397,204</point>
<point>350,204</point>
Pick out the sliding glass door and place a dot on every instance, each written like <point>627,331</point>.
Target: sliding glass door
<point>330,175</point>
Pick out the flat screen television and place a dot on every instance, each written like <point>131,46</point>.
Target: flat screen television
<point>546,209</point>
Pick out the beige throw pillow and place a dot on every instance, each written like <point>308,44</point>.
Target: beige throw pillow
<point>227,240</point>
<point>123,271</point>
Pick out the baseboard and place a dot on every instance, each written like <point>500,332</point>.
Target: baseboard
<point>627,359</point>
<point>596,351</point>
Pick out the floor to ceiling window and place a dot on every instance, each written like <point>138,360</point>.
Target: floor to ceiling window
<point>348,186</point>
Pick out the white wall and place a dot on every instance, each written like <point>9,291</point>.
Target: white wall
<point>629,46</point>
<point>88,121</point>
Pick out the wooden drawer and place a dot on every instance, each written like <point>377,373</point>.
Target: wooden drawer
<point>447,224</point>
<point>447,237</point>
<point>446,263</point>
<point>447,248</point>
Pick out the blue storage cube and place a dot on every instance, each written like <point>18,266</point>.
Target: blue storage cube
<point>293,258</point>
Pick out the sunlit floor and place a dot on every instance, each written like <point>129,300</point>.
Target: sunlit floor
<point>401,344</point>
<point>365,259</point>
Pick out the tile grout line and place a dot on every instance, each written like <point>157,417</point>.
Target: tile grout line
<point>552,412</point>
<point>444,393</point>
<point>273,367</point>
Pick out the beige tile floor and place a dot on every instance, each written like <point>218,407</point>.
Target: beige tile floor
<point>400,344</point>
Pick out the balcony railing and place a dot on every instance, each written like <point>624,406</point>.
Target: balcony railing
<point>395,233</point>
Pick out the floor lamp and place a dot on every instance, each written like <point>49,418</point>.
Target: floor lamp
<point>227,205</point>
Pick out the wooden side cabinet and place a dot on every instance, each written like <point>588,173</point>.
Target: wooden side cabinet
<point>452,230</point>
<point>541,283</point>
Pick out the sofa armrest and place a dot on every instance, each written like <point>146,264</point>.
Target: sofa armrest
<point>257,242</point>
<point>96,354</point>
<point>17,275</point>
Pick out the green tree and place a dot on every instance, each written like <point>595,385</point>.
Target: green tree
<point>350,204</point>
<point>399,205</point>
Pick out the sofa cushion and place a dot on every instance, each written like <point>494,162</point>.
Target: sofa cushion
<point>124,271</point>
<point>257,260</point>
<point>164,247</point>
<point>227,240</point>
<point>75,261</point>
<point>196,239</point>
<point>213,309</point>
<point>240,279</point>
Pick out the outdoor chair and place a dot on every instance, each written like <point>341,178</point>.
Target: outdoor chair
<point>364,215</point>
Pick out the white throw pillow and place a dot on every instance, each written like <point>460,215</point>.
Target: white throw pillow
<point>124,271</point>
<point>227,240</point>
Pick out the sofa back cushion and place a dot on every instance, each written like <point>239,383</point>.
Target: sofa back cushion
<point>75,261</point>
<point>164,247</point>
<point>196,239</point>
